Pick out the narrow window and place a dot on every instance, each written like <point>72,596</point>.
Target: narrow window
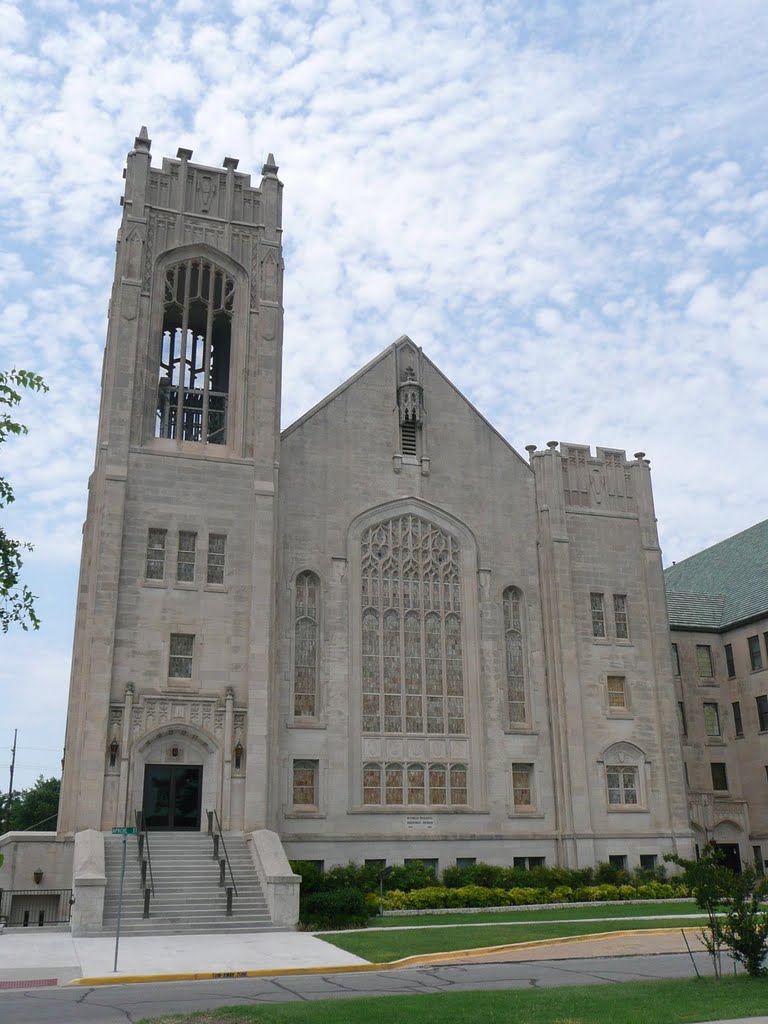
<point>393,793</point>
<point>711,719</point>
<point>685,773</point>
<point>438,784</point>
<point>704,660</point>
<point>762,712</point>
<point>217,548</point>
<point>182,652</point>
<point>675,660</point>
<point>617,693</point>
<point>598,614</point>
<point>305,783</point>
<point>536,862</point>
<point>737,722</point>
<point>372,779</point>
<point>155,569</point>
<point>522,792</point>
<point>648,861</point>
<point>755,654</point>
<point>417,791</point>
<point>620,616</point>
<point>622,784</point>
<point>719,775</point>
<point>618,860</point>
<point>185,557</point>
<point>194,353</point>
<point>729,661</point>
<point>682,720</point>
<point>466,862</point>
<point>305,645</point>
<point>513,642</point>
<point>457,780</point>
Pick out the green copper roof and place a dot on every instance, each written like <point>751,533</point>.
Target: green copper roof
<point>722,585</point>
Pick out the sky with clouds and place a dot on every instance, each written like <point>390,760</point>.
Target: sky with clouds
<point>564,203</point>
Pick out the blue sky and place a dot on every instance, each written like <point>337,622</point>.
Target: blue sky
<point>565,204</point>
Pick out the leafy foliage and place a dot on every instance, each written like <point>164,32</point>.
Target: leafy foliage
<point>33,809</point>
<point>339,908</point>
<point>16,600</point>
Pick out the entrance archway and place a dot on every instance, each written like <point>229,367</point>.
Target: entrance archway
<point>172,796</point>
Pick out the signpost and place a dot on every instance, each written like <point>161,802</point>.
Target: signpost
<point>124,831</point>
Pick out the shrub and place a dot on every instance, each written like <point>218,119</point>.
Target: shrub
<point>341,908</point>
<point>410,876</point>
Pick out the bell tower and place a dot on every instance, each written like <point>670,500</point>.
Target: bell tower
<point>171,692</point>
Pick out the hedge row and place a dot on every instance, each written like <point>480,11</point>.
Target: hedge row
<point>439,897</point>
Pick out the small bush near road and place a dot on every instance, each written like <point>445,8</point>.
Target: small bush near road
<point>344,908</point>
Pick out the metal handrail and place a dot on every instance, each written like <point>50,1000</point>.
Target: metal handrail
<point>142,838</point>
<point>218,837</point>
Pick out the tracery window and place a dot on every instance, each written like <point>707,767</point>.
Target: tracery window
<point>185,557</point>
<point>217,548</point>
<point>306,611</point>
<point>412,660</point>
<point>305,783</point>
<point>513,643</point>
<point>194,357</point>
<point>414,784</point>
<point>155,564</point>
<point>622,784</point>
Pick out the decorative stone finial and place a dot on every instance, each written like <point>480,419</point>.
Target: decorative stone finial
<point>231,162</point>
<point>142,143</point>
<point>183,154</point>
<point>639,455</point>
<point>270,168</point>
<point>552,445</point>
<point>530,448</point>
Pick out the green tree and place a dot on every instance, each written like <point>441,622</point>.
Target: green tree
<point>16,600</point>
<point>34,809</point>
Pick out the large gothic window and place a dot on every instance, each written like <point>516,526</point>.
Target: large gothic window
<point>194,356</point>
<point>305,645</point>
<point>413,678</point>
<point>515,662</point>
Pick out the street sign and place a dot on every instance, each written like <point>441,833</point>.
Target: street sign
<point>124,830</point>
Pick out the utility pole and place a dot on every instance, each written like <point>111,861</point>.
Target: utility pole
<point>10,784</point>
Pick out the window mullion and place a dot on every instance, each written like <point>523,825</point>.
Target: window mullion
<point>183,356</point>
<point>207,352</point>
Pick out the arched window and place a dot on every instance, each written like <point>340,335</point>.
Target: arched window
<point>624,776</point>
<point>414,785</point>
<point>515,662</point>
<point>413,674</point>
<point>305,689</point>
<point>194,356</point>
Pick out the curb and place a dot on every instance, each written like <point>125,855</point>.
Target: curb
<point>418,960</point>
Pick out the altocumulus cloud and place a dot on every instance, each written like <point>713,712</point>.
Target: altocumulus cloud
<point>565,203</point>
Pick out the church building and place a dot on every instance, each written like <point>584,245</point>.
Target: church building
<point>381,634</point>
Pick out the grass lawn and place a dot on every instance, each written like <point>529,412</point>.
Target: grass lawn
<point>543,913</point>
<point>381,947</point>
<point>652,1002</point>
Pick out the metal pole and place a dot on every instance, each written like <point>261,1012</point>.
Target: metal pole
<point>120,901</point>
<point>10,784</point>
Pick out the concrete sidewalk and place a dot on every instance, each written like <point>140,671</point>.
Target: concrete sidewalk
<point>32,954</point>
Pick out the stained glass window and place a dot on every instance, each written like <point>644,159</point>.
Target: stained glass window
<point>305,649</point>
<point>513,643</point>
<point>155,569</point>
<point>217,547</point>
<point>412,658</point>
<point>416,784</point>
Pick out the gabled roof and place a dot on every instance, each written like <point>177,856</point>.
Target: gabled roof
<point>403,339</point>
<point>730,577</point>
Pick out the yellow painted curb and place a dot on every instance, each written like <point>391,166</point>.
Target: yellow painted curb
<point>418,960</point>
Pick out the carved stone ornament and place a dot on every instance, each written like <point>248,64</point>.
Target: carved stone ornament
<point>409,398</point>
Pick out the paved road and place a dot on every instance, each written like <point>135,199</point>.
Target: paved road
<point>118,1004</point>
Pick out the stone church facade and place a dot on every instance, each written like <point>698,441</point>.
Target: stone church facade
<point>382,633</point>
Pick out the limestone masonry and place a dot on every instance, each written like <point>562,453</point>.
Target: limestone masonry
<point>383,634</point>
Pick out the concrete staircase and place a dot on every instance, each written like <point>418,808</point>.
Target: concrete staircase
<point>188,898</point>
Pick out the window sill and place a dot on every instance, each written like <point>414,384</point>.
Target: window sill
<point>602,641</point>
<point>309,723</point>
<point>715,741</point>
<point>522,813</point>
<point>755,671</point>
<point>627,809</point>
<point>624,642</point>
<point>620,714</point>
<point>183,585</point>
<point>154,584</point>
<point>296,813</point>
<point>520,730</point>
<point>405,809</point>
<point>215,588</point>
